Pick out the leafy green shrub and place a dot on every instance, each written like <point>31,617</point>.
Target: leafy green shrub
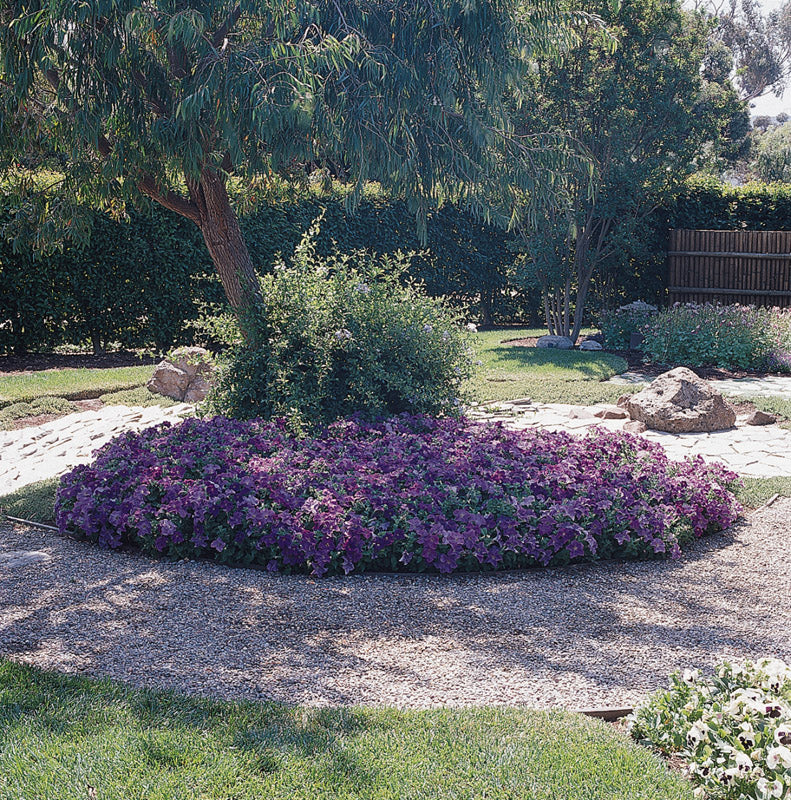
<point>341,335</point>
<point>721,336</point>
<point>733,729</point>
<point>618,325</point>
<point>707,204</point>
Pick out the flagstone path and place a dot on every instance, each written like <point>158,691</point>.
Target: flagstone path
<point>770,385</point>
<point>44,451</point>
<point>757,451</point>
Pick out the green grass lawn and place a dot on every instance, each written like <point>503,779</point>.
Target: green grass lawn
<point>76,739</point>
<point>34,502</point>
<point>71,384</point>
<point>509,372</point>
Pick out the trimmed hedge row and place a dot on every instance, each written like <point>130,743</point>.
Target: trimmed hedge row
<point>706,204</point>
<point>141,281</point>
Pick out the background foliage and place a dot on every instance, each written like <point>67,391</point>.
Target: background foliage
<point>140,281</point>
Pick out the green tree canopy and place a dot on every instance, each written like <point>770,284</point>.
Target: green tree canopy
<point>646,115</point>
<point>773,155</point>
<point>167,99</point>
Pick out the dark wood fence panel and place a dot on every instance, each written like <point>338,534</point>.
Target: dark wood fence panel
<point>748,267</point>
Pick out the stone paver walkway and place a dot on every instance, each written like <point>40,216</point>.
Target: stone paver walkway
<point>44,451</point>
<point>757,451</point>
<point>769,386</point>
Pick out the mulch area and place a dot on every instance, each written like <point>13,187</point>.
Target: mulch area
<point>580,637</point>
<point>41,419</point>
<point>37,362</point>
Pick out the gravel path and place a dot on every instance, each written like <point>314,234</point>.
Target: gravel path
<point>584,636</point>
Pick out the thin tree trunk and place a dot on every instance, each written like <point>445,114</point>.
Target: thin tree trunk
<point>227,248</point>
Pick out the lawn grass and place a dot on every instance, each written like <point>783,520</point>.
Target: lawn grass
<point>71,384</point>
<point>508,372</point>
<point>77,738</point>
<point>756,491</point>
<point>34,502</point>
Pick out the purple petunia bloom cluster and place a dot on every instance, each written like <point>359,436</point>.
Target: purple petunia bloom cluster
<point>411,493</point>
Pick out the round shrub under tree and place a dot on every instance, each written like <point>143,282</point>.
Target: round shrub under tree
<point>408,494</point>
<point>340,335</point>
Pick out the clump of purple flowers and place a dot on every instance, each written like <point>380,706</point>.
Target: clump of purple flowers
<point>411,493</point>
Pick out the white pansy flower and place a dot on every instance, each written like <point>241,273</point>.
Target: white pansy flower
<point>697,733</point>
<point>690,676</point>
<point>777,756</point>
<point>783,734</point>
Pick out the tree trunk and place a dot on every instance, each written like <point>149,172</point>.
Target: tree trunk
<point>228,250</point>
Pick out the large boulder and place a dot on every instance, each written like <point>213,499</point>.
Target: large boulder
<point>555,342</point>
<point>680,402</point>
<point>185,375</point>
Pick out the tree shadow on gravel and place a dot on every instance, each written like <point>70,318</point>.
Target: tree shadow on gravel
<point>600,629</point>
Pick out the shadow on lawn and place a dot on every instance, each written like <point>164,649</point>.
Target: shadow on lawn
<point>411,640</point>
<point>562,364</point>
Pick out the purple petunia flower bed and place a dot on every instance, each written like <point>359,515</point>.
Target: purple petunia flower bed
<point>408,494</point>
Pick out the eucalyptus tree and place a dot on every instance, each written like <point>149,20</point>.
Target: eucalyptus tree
<point>169,99</point>
<point>646,114</point>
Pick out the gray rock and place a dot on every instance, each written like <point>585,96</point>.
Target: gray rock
<point>679,401</point>
<point>590,344</point>
<point>638,305</point>
<point>760,418</point>
<point>555,342</point>
<point>185,375</point>
<point>10,559</point>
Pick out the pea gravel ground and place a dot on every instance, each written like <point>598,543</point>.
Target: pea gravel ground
<point>594,635</point>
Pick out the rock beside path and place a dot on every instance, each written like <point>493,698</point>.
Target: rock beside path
<point>552,342</point>
<point>679,401</point>
<point>759,417</point>
<point>186,375</point>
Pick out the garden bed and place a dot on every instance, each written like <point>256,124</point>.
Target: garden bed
<point>406,494</point>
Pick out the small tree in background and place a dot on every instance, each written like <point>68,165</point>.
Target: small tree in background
<point>644,114</point>
<point>169,99</point>
<point>773,155</point>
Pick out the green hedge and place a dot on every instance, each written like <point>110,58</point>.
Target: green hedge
<point>639,270</point>
<point>706,204</point>
<point>139,282</point>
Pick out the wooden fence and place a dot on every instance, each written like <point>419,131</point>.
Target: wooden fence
<point>748,267</point>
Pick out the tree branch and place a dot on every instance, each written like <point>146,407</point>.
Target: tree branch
<point>225,28</point>
<point>168,199</point>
